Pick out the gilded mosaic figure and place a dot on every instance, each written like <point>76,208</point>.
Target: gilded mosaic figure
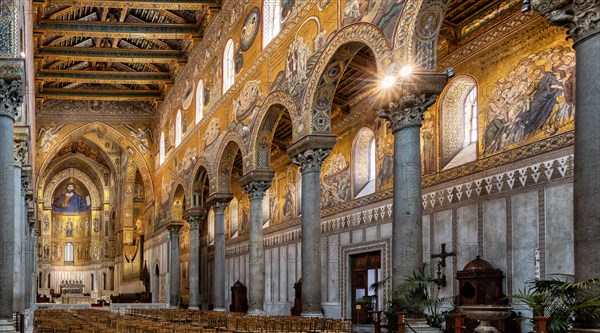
<point>70,201</point>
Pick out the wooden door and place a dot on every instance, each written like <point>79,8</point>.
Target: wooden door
<point>365,270</point>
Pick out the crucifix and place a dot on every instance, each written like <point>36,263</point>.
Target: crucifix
<point>443,255</point>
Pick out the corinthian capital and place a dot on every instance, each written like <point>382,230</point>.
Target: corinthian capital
<point>174,229</point>
<point>256,190</point>
<point>219,207</point>
<point>408,111</point>
<point>11,97</point>
<point>193,221</point>
<point>580,17</point>
<point>310,160</point>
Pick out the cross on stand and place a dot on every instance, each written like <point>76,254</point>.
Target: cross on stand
<point>443,255</point>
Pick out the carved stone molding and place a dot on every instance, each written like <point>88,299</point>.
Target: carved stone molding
<point>408,111</point>
<point>25,184</point>
<point>311,159</point>
<point>581,18</point>
<point>21,151</point>
<point>11,97</point>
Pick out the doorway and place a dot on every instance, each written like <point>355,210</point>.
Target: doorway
<point>155,283</point>
<point>365,270</point>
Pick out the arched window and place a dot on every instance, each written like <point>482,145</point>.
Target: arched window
<point>459,122</point>
<point>233,218</point>
<point>271,20</point>
<point>228,66</point>
<point>470,114</point>
<point>211,226</point>
<point>199,101</point>
<point>364,162</point>
<point>178,128</point>
<point>69,253</point>
<point>161,152</point>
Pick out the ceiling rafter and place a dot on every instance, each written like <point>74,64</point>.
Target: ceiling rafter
<point>118,50</point>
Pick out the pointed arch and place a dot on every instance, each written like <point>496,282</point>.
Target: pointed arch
<point>275,104</point>
<point>417,33</point>
<point>330,66</point>
<point>202,173</point>
<point>178,203</point>
<point>230,145</point>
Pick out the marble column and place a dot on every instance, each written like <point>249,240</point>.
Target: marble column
<point>219,263</point>
<point>255,184</point>
<point>19,240</point>
<point>309,153</point>
<point>174,263</point>
<point>582,18</point>
<point>194,217</point>
<point>33,263</point>
<point>405,115</point>
<point>11,97</point>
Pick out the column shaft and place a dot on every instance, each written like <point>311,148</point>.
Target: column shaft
<point>310,166</point>
<point>194,277</point>
<point>219,268</point>
<point>7,217</point>
<point>407,234</point>
<point>311,243</point>
<point>587,159</point>
<point>256,191</point>
<point>405,117</point>
<point>174,265</point>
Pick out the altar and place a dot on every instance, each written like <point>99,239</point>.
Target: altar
<point>71,292</point>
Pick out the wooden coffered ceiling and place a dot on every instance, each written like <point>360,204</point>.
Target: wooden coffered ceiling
<point>466,19</point>
<point>115,50</point>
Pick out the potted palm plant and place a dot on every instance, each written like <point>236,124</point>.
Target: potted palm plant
<point>565,304</point>
<point>415,297</point>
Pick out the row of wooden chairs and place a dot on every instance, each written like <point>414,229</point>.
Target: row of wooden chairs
<point>178,321</point>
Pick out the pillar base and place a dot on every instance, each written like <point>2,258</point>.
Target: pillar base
<point>312,314</point>
<point>7,326</point>
<point>256,312</point>
<point>220,310</point>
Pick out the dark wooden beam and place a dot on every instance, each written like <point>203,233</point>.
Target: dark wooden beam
<point>111,54</point>
<point>100,94</point>
<point>104,77</point>
<point>118,29</point>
